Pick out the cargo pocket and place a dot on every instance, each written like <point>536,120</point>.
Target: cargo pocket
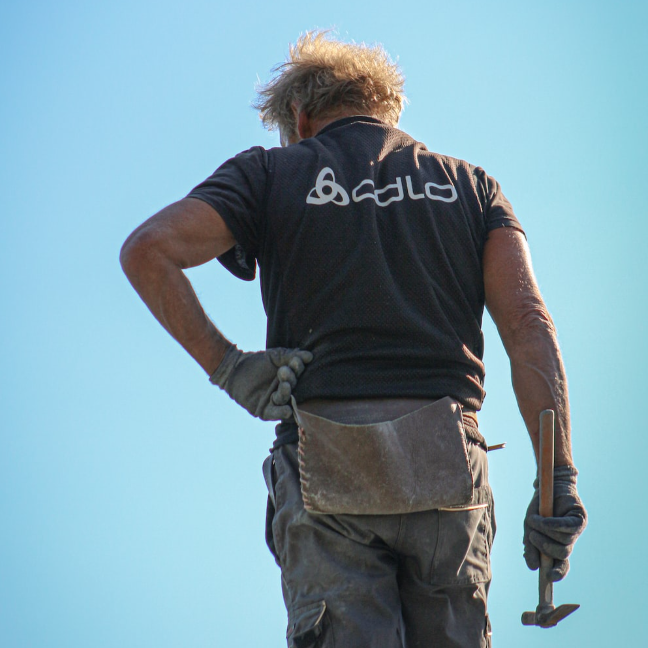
<point>268,475</point>
<point>488,633</point>
<point>462,553</point>
<point>492,524</point>
<point>306,626</point>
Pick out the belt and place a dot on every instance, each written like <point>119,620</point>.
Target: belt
<point>376,410</point>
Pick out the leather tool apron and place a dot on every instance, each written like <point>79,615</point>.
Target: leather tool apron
<point>416,461</point>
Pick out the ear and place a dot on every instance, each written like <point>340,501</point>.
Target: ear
<point>304,125</point>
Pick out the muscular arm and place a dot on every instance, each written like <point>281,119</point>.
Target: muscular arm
<point>529,336</point>
<point>183,235</point>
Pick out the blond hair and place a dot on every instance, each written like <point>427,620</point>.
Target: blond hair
<point>325,77</point>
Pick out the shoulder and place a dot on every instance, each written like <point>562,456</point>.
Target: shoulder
<point>256,156</point>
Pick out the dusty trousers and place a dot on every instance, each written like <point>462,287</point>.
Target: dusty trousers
<point>418,580</point>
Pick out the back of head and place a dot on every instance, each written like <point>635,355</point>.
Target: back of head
<point>326,78</point>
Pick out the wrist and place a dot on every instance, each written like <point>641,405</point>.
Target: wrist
<point>227,362</point>
<point>562,474</point>
<point>209,350</point>
<point>565,473</point>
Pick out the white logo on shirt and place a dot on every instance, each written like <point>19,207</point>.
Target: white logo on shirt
<point>374,193</point>
<point>333,190</point>
<point>328,190</point>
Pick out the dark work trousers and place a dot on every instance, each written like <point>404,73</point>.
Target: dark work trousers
<point>418,580</point>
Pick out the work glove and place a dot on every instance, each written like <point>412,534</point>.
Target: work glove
<point>262,382</point>
<point>555,536</point>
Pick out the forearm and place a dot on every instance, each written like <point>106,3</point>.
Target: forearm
<point>540,382</point>
<point>529,336</point>
<point>167,292</point>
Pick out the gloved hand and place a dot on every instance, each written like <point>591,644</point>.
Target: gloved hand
<point>555,536</point>
<point>262,382</point>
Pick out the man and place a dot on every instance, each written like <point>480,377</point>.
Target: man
<point>376,259</point>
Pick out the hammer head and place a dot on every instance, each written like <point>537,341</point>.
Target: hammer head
<point>548,617</point>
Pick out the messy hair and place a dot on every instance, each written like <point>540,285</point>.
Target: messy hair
<point>325,77</point>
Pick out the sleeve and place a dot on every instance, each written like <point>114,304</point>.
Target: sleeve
<point>498,211</point>
<point>236,190</point>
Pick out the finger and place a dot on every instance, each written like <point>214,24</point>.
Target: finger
<point>531,553</point>
<point>567,523</point>
<point>550,547</point>
<point>569,504</point>
<point>559,570</point>
<point>282,395</point>
<point>286,374</point>
<point>276,413</point>
<point>558,528</point>
<point>306,356</point>
<point>561,538</point>
<point>296,365</point>
<point>531,557</point>
<point>281,356</point>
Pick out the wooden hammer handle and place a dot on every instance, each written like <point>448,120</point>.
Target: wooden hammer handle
<point>545,469</point>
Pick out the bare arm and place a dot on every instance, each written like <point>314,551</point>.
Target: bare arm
<point>529,336</point>
<point>183,235</point>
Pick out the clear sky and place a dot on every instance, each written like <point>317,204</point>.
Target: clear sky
<point>131,498</point>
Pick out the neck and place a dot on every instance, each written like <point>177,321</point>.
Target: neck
<point>318,124</point>
<point>310,126</point>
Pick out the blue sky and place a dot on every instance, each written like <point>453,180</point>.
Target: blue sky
<point>131,496</point>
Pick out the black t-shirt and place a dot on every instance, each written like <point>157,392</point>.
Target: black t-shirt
<point>370,254</point>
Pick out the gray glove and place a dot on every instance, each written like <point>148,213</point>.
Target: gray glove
<point>555,536</point>
<point>262,382</point>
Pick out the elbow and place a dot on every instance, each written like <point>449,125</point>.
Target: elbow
<point>529,321</point>
<point>536,317</point>
<point>129,255</point>
<point>137,253</point>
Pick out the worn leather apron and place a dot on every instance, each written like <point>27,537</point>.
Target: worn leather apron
<point>377,457</point>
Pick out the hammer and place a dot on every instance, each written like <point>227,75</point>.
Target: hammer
<point>546,614</point>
